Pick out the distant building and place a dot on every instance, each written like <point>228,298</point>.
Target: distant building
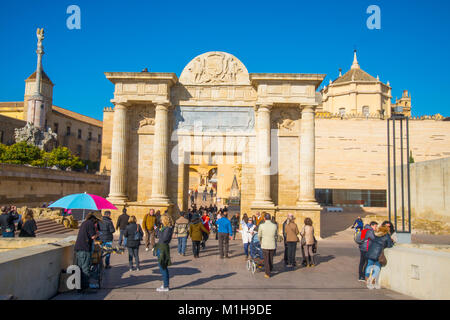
<point>403,105</point>
<point>81,134</point>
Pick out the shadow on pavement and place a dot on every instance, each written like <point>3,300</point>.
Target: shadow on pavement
<point>332,223</point>
<point>201,281</point>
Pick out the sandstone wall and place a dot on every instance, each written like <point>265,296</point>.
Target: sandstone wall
<point>7,126</point>
<point>28,186</point>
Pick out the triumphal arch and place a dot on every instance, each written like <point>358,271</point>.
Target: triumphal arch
<point>261,125</point>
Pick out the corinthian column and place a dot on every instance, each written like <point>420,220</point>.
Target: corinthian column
<point>262,179</point>
<point>307,158</point>
<point>117,192</point>
<point>160,155</point>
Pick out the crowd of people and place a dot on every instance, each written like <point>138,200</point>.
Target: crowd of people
<point>9,218</point>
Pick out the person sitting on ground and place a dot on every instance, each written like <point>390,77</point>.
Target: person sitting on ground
<point>165,233</point>
<point>181,231</point>
<point>134,234</point>
<point>358,224</point>
<point>196,230</point>
<point>267,235</point>
<point>7,218</point>
<point>382,240</point>
<point>106,230</point>
<point>27,225</point>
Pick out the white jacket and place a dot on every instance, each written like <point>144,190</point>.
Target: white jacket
<point>246,233</point>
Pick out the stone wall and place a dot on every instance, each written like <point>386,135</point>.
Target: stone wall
<point>430,189</point>
<point>29,186</point>
<point>352,153</point>
<point>420,271</point>
<point>33,271</point>
<point>7,126</point>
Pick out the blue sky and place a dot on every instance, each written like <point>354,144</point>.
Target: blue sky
<point>411,50</point>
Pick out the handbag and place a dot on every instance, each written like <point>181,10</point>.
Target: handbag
<point>382,259</point>
<point>137,235</point>
<point>314,247</point>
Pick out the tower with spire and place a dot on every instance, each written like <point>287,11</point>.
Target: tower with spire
<point>38,90</point>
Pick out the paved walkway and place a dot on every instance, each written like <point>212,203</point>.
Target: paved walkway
<point>335,276</point>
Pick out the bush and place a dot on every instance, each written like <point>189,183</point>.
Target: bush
<point>23,153</point>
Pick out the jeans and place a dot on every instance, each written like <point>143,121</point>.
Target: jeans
<point>373,265</point>
<point>362,264</point>
<point>292,247</point>
<point>246,248</point>
<point>196,248</point>
<point>164,272</point>
<point>108,256</point>
<point>182,244</point>
<point>8,234</point>
<point>223,243</point>
<point>84,262</point>
<point>133,252</point>
<point>121,237</point>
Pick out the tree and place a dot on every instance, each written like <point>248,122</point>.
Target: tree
<point>62,158</point>
<point>20,153</point>
<point>411,159</point>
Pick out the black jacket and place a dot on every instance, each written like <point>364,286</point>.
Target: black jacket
<point>27,229</point>
<point>122,221</point>
<point>382,240</point>
<point>165,236</point>
<point>106,229</point>
<point>130,232</point>
<point>7,220</point>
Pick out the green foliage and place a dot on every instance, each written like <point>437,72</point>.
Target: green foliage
<point>20,153</point>
<point>23,153</point>
<point>411,159</point>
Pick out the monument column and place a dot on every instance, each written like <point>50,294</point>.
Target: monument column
<point>262,179</point>
<point>117,193</point>
<point>160,154</point>
<point>307,158</point>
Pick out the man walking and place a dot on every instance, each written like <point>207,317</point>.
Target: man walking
<point>106,230</point>
<point>235,224</point>
<point>267,233</point>
<point>149,225</point>
<point>181,231</point>
<point>83,246</point>
<point>224,234</point>
<point>122,223</point>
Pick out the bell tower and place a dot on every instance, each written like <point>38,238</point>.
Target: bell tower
<point>38,99</point>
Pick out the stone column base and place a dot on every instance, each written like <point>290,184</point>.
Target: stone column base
<point>300,214</point>
<point>117,200</point>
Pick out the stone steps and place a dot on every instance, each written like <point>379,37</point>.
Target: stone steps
<point>47,226</point>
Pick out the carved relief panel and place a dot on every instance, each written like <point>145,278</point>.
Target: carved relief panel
<point>286,120</point>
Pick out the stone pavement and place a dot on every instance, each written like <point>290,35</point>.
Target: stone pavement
<point>334,277</point>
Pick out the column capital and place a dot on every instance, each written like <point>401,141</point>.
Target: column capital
<point>308,107</point>
<point>163,106</point>
<point>264,107</point>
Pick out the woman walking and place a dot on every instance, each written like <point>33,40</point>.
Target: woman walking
<point>134,235</point>
<point>196,230</point>
<point>163,250</point>
<point>27,225</point>
<point>291,230</point>
<point>308,241</point>
<point>246,227</point>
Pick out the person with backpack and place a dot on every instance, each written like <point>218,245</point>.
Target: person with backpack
<point>133,233</point>
<point>375,254</point>
<point>181,231</point>
<point>362,238</point>
<point>106,230</point>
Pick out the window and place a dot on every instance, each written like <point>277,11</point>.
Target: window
<point>79,133</point>
<point>365,111</point>
<point>55,126</point>
<point>90,136</point>
<point>68,131</point>
<point>99,138</point>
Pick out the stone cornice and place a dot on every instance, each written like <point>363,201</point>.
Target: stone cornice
<point>257,78</point>
<point>115,77</point>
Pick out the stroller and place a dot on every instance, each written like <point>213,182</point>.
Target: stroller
<point>256,260</point>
